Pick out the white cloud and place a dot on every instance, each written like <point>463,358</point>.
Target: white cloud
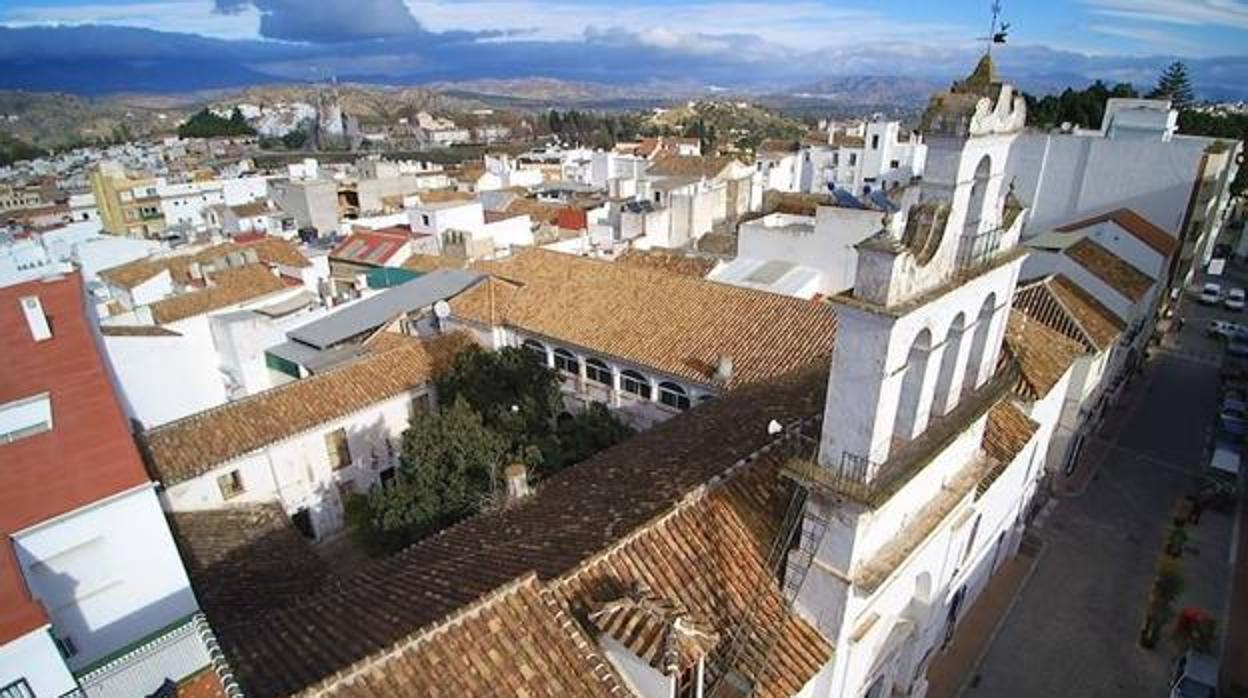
<point>1221,13</point>
<point>189,16</point>
<point>802,25</point>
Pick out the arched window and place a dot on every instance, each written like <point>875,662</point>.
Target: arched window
<point>536,347</point>
<point>910,414</point>
<point>975,204</point>
<point>566,361</point>
<point>634,383</point>
<point>946,397</point>
<point>673,395</point>
<point>597,371</point>
<point>975,361</point>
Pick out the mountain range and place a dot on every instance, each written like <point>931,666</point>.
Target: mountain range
<point>611,67</point>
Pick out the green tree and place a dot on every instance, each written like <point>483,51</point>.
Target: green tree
<point>448,468</point>
<point>13,149</point>
<point>205,124</point>
<point>515,393</point>
<point>588,432</point>
<point>1175,85</point>
<point>295,139</point>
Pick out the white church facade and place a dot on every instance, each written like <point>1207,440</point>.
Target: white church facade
<point>927,461</point>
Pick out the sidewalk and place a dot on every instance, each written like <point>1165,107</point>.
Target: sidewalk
<point>954,667</point>
<point>1096,446</point>
<point>1235,650</point>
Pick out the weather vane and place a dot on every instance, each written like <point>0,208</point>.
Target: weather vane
<point>998,31</point>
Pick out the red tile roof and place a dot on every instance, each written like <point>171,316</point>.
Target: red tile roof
<point>87,455</point>
<point>1059,303</point>
<point>623,515</point>
<point>675,324</point>
<point>1138,226</point>
<point>1113,270</point>
<point>372,247</point>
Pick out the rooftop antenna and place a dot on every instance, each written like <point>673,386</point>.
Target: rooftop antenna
<point>998,30</point>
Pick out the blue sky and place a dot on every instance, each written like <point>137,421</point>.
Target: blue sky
<point>1052,42</point>
<point>1197,28</point>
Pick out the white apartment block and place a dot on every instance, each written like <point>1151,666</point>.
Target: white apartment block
<point>872,156</point>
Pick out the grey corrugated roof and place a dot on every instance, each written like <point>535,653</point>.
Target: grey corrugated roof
<point>312,358</point>
<point>374,312</point>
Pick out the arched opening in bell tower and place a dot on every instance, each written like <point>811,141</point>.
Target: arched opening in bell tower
<point>906,426</point>
<point>979,344</point>
<point>946,397</point>
<point>975,204</point>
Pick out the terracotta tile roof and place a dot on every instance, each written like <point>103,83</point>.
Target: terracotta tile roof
<point>137,331</point>
<point>269,250</point>
<point>658,629</point>
<point>1132,283</point>
<point>515,642</point>
<point>723,244</point>
<point>371,247</point>
<point>571,523</point>
<point>1057,302</point>
<point>250,210</point>
<point>244,559</point>
<point>230,287</point>
<point>186,448</point>
<point>1138,226</point>
<point>673,262</point>
<point>538,211</point>
<point>432,262</point>
<point>673,323</point>
<point>440,196</point>
<point>662,145</point>
<point>779,145</point>
<point>710,557</point>
<point>1008,431</point>
<point>794,203</point>
<point>847,141</point>
<point>689,166</point>
<point>1043,354</point>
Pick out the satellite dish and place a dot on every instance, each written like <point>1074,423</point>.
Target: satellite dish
<point>774,427</point>
<point>442,310</point>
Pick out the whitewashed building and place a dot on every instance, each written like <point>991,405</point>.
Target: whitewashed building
<point>290,445</point>
<point>95,596</point>
<point>917,495</point>
<point>873,156</point>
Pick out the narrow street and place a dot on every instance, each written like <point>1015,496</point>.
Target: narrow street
<point>1074,629</point>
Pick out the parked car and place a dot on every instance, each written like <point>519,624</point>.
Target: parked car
<point>1195,676</point>
<point>1210,294</point>
<point>1234,300</point>
<point>1234,400</point>
<point>1226,329</point>
<point>1238,346</point>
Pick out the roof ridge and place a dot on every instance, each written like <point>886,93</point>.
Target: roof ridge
<point>316,377</point>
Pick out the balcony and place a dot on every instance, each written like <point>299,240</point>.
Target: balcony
<point>174,652</point>
<point>873,484</point>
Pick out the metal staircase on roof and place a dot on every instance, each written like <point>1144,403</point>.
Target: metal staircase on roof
<point>794,547</point>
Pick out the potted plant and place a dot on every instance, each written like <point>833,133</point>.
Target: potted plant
<point>1175,541</point>
<point>1195,628</point>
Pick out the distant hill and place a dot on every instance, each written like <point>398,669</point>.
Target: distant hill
<point>868,89</point>
<point>371,104</point>
<point>54,119</point>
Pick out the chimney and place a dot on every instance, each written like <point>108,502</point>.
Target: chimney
<point>517,476</point>
<point>723,369</point>
<point>36,320</point>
